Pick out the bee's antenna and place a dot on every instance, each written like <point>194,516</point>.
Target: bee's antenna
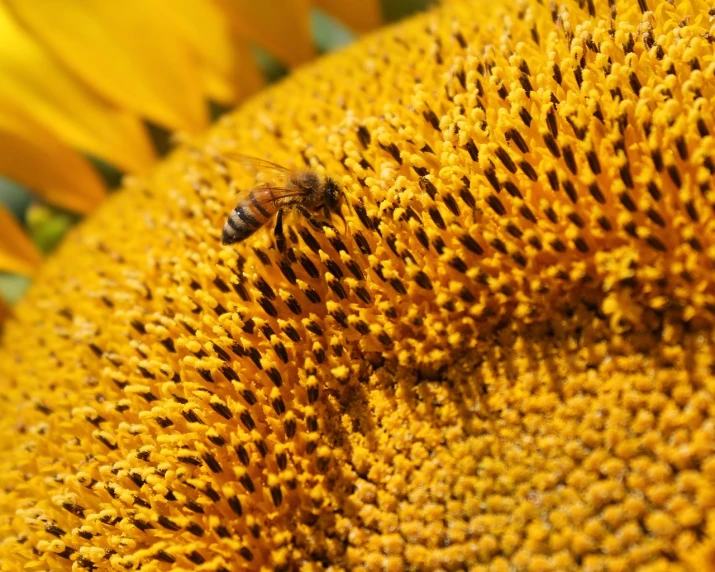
<point>345,223</point>
<point>350,205</point>
<point>350,208</point>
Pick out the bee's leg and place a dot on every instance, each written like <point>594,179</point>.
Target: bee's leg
<point>278,232</point>
<point>306,213</point>
<point>326,212</point>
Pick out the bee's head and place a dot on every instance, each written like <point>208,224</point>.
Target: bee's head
<point>333,194</point>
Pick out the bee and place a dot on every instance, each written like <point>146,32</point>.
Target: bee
<point>301,191</point>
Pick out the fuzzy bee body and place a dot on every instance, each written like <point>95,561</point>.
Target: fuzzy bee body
<point>250,214</point>
<point>302,190</point>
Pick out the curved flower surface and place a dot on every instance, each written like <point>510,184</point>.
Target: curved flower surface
<point>504,360</point>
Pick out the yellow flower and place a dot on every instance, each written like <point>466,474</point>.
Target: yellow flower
<point>82,77</point>
<point>505,361</point>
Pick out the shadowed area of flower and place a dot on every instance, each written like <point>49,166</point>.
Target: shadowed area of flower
<point>505,360</point>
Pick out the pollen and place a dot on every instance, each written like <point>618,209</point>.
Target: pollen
<point>503,360</point>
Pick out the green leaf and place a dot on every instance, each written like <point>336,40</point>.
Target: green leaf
<point>47,225</point>
<point>111,175</point>
<point>272,69</point>
<point>13,287</point>
<point>328,33</point>
<point>14,197</point>
<point>393,10</point>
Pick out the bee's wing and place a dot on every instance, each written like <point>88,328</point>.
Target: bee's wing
<point>267,193</point>
<point>261,168</point>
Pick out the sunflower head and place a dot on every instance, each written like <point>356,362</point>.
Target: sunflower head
<point>503,361</point>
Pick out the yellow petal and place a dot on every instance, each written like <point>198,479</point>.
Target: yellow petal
<point>31,76</point>
<point>17,252</point>
<point>127,53</point>
<point>282,27</point>
<point>228,70</point>
<point>359,15</point>
<point>232,89</point>
<point>86,116</point>
<point>33,156</point>
<point>4,311</point>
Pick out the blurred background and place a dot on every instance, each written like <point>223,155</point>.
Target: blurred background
<point>91,90</point>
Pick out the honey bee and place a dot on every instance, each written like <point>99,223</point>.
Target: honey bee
<point>302,191</point>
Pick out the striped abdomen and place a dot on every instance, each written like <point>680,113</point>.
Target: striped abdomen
<point>252,212</point>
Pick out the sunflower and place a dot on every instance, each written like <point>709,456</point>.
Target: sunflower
<point>504,360</point>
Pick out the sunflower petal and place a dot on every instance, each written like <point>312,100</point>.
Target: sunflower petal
<point>236,87</point>
<point>33,156</point>
<point>359,15</point>
<point>17,252</point>
<point>59,101</point>
<point>229,72</point>
<point>73,112</point>
<point>4,311</point>
<point>282,27</point>
<point>123,54</point>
